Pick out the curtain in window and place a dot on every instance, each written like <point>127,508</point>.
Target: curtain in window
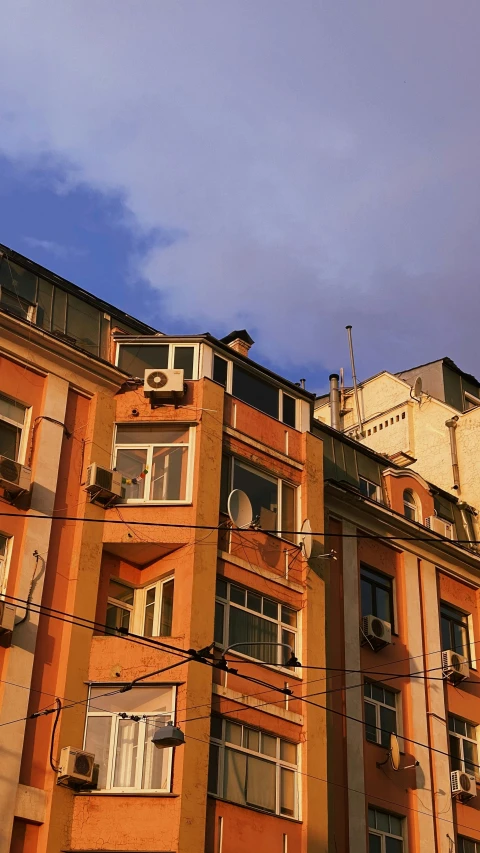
<point>247,628</point>
<point>261,783</point>
<point>234,778</point>
<point>126,754</point>
<point>287,791</point>
<point>155,761</point>
<point>98,742</point>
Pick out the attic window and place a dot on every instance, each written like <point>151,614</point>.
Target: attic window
<point>410,509</point>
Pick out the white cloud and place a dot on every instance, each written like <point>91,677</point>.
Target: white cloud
<point>319,160</point>
<point>54,248</point>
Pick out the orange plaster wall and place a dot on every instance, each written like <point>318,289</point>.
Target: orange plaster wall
<point>245,829</point>
<point>396,487</point>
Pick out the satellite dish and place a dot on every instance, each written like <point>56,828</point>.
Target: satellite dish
<point>240,509</point>
<point>394,752</point>
<point>306,539</point>
<point>417,387</point>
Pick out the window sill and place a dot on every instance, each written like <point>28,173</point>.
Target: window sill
<point>254,809</point>
<point>134,502</point>
<point>106,793</point>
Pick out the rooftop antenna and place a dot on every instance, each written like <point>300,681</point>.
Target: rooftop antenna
<point>354,378</point>
<point>342,389</point>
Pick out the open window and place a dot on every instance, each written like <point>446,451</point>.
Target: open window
<point>155,461</point>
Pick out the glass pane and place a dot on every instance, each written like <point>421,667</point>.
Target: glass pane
<point>395,825</point>
<point>451,723</point>
<point>234,776</point>
<point>288,752</point>
<point>460,639</point>
<point>12,410</point>
<point>254,602</point>
<point>233,733</point>
<point>221,588</point>
<point>253,631</point>
<point>251,739</point>
<point>470,756</point>
<point>367,598</point>
<point>218,632</point>
<point>261,489</point>
<point>383,823</point>
<point>371,818</point>
<point>3,545</point>
<point>377,693</point>
<point>289,405</point>
<point>117,617</point>
<point>220,369</point>
<point>98,742</point>
<point>288,639</point>
<point>126,754</point>
<point>287,792</point>
<point>460,726</point>
<point>148,434</point>
<point>255,391</point>
<point>237,594</point>
<point>166,615</point>
<point>269,745</point>
<point>270,608</point>
<point>155,761</point>
<point>261,783</point>
<point>393,845</point>
<point>288,512</point>
<point>83,324</point>
<point>389,698</point>
<point>9,440</point>
<point>466,846</point>
<point>213,769</point>
<point>383,604</point>
<point>183,360</point>
<point>18,280</point>
<point>388,725</point>
<point>370,722</point>
<point>136,358</point>
<point>149,614</point>
<point>367,689</point>
<point>455,747</point>
<point>120,591</point>
<point>471,730</point>
<point>445,630</point>
<point>132,466</point>
<point>289,617</point>
<point>374,843</point>
<point>140,700</point>
<point>216,727</point>
<point>169,474</point>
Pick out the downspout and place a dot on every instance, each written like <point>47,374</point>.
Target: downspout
<point>334,401</point>
<point>452,425</point>
<point>354,378</point>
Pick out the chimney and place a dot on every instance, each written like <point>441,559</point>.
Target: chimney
<point>334,401</point>
<point>239,340</point>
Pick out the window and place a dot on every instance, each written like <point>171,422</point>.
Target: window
<point>119,731</point>
<point>273,500</point>
<point>154,461</point>
<point>158,609</point>
<point>244,616</point>
<point>262,395</point>
<point>410,505</point>
<point>253,768</point>
<point>138,357</point>
<point>5,550</point>
<point>369,489</point>
<point>289,405</point>
<point>220,370</point>
<point>454,629</point>
<point>385,832</point>
<point>120,605</point>
<point>12,423</point>
<point>467,845</point>
<point>17,289</point>
<point>462,737</point>
<point>376,594</point>
<point>380,707</point>
<point>83,324</point>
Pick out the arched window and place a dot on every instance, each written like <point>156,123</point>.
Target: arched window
<point>410,506</point>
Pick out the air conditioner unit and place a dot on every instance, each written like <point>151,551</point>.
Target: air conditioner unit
<point>7,617</point>
<point>75,766</point>
<point>103,484</point>
<point>455,667</point>
<point>376,631</point>
<point>463,785</point>
<point>163,383</point>
<point>14,477</point>
<point>438,525</point>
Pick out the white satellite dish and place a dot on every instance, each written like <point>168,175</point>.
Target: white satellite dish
<point>417,387</point>
<point>394,752</point>
<point>240,509</point>
<point>306,539</point>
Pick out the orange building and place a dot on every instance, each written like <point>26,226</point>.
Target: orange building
<point>137,601</point>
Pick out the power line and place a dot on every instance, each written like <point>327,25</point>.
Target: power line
<point>385,537</point>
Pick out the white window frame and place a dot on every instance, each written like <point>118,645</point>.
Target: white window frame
<point>378,705</point>
<point>171,353</point>
<point>229,382</point>
<point>5,562</point>
<point>384,835</point>
<point>122,605</point>
<point>116,719</point>
<point>462,738</point>
<point>141,601</point>
<point>223,744</point>
<point>149,448</point>
<point>268,476</point>
<point>378,492</point>
<point>24,429</point>
<point>296,631</point>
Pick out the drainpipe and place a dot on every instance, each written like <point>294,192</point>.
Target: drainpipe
<point>452,425</point>
<point>354,378</point>
<point>334,401</point>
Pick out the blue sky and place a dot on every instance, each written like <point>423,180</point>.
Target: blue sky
<point>288,168</point>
